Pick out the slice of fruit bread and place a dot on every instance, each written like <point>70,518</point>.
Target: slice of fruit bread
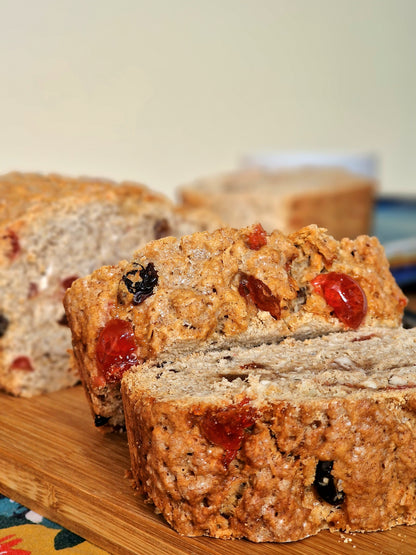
<point>54,229</point>
<point>281,441</point>
<point>220,289</point>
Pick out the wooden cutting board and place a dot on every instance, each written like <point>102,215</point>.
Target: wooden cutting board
<point>55,462</point>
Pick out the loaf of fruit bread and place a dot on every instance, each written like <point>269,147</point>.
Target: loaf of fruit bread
<point>278,442</point>
<point>54,229</point>
<point>333,198</point>
<point>219,289</point>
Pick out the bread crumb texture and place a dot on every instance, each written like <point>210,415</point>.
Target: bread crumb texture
<point>53,230</point>
<point>220,289</point>
<point>278,442</point>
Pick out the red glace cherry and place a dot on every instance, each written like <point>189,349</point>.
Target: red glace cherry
<point>257,238</point>
<point>22,363</point>
<point>116,349</point>
<point>344,295</point>
<point>225,427</point>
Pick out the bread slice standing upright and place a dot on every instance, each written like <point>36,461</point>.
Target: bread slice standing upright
<point>278,442</point>
<point>218,290</point>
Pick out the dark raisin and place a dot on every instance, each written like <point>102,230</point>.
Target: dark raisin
<point>325,485</point>
<point>162,228</point>
<point>232,377</point>
<point>144,288</point>
<point>260,294</point>
<point>63,321</point>
<point>4,324</point>
<point>100,420</point>
<point>68,281</point>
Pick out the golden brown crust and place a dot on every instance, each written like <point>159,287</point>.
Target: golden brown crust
<point>54,229</point>
<point>267,494</point>
<point>22,193</point>
<point>269,491</point>
<point>197,304</point>
<point>99,293</point>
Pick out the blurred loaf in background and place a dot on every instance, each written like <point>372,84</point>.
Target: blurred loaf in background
<point>53,230</point>
<point>335,198</point>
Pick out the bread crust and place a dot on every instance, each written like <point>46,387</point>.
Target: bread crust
<point>54,229</point>
<point>24,195</point>
<point>268,491</point>
<point>332,198</point>
<point>196,304</point>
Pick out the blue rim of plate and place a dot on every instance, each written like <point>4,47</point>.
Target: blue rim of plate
<point>395,226</point>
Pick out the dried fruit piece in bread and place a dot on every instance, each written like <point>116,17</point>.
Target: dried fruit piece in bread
<point>54,229</point>
<point>217,290</point>
<point>277,442</point>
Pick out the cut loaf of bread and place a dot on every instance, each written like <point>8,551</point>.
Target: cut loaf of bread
<point>278,442</point>
<point>217,290</point>
<point>289,199</point>
<point>54,229</point>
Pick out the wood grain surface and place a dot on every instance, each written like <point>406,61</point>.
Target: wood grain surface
<point>55,462</point>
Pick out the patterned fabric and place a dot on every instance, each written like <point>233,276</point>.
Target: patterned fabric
<point>24,532</point>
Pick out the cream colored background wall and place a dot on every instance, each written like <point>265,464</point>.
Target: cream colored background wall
<point>165,90</point>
